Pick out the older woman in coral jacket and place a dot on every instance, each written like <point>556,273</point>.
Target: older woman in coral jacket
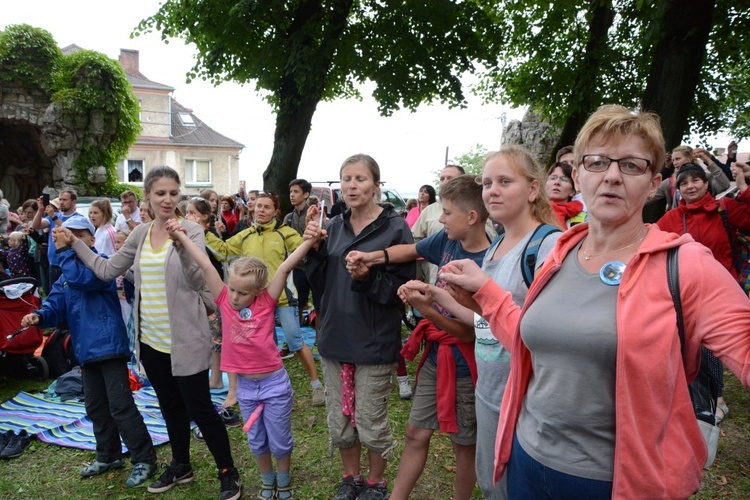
<point>597,403</point>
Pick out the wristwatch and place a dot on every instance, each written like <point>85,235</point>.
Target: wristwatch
<point>55,217</point>
<point>128,220</point>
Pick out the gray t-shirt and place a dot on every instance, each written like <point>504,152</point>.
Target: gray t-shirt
<point>567,421</point>
<point>493,360</point>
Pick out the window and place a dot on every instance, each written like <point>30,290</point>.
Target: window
<point>197,172</point>
<point>187,119</point>
<point>130,171</point>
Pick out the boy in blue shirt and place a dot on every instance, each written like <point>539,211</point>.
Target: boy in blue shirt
<point>444,394</point>
<point>91,309</point>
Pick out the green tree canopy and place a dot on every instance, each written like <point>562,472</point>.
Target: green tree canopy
<point>300,52</point>
<point>563,59</point>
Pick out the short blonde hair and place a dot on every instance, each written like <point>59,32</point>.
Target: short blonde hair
<point>250,267</point>
<point>614,122</point>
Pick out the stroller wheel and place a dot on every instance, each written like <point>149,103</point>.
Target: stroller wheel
<point>41,367</point>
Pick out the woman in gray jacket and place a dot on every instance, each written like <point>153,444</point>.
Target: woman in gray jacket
<point>174,343</point>
<point>360,328</point>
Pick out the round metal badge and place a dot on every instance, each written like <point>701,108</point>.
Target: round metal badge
<point>611,272</point>
<point>246,313</point>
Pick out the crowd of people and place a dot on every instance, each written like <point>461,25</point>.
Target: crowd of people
<point>550,354</point>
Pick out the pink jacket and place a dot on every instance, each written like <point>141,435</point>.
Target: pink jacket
<point>659,449</point>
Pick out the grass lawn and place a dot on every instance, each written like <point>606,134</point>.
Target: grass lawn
<point>47,471</point>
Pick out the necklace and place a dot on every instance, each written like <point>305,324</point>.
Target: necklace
<point>587,256</point>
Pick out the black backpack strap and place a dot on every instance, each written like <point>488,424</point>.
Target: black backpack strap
<point>531,251</point>
<point>673,278</point>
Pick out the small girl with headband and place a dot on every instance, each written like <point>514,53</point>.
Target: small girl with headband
<point>247,306</point>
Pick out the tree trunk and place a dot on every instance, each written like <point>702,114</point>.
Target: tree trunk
<point>676,65</point>
<point>301,89</point>
<point>583,97</point>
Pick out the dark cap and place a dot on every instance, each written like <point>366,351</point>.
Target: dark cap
<point>691,169</point>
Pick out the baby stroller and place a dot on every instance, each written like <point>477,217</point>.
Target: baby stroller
<point>19,297</point>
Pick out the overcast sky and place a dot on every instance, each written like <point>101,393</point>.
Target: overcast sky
<point>409,147</point>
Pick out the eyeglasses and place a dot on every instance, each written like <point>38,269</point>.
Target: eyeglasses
<point>561,178</point>
<point>628,166</point>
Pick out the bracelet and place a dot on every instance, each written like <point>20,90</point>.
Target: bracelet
<point>387,258</point>
<point>128,221</point>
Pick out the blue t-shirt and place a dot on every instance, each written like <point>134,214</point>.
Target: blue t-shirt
<point>51,250</point>
<point>439,250</point>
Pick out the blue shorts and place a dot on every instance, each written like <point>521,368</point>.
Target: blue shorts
<point>273,429</point>
<point>289,319</point>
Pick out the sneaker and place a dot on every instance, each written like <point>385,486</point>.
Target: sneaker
<point>404,387</point>
<point>230,417</point>
<point>377,491</point>
<point>175,474</point>
<point>5,438</point>
<point>319,396</point>
<point>350,488</point>
<point>96,467</point>
<point>231,485</point>
<point>141,472</point>
<point>197,433</point>
<point>285,353</point>
<point>16,444</point>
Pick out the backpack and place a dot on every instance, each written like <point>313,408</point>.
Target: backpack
<point>531,250</point>
<point>704,391</point>
<point>58,353</point>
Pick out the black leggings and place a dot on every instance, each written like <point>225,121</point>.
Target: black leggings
<point>182,399</point>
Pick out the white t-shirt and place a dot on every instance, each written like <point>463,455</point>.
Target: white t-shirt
<point>121,225</point>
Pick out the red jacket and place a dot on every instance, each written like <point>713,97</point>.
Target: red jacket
<point>705,225</point>
<point>659,449</point>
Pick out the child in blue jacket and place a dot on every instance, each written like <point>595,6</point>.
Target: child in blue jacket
<point>91,309</point>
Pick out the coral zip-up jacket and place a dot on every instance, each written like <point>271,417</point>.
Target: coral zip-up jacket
<point>659,449</point>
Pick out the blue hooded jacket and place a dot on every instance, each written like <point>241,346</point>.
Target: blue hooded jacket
<point>91,309</point>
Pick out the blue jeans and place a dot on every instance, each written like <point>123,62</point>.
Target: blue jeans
<point>529,479</point>
<point>289,320</point>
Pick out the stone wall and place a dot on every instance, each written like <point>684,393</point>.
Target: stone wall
<point>534,134</point>
<point>39,144</point>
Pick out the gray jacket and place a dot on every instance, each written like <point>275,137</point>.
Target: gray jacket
<point>186,298</point>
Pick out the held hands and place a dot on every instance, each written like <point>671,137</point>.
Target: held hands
<point>315,233</point>
<point>740,171</point>
<point>464,273</point>
<point>416,294</point>
<point>63,237</point>
<point>29,319</point>
<point>175,230</point>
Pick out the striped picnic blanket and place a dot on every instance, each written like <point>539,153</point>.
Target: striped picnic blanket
<point>66,423</point>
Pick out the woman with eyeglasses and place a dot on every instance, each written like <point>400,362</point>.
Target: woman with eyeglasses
<point>561,190</point>
<point>272,242</point>
<point>597,403</point>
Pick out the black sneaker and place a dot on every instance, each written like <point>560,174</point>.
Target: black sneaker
<point>377,491</point>
<point>16,444</point>
<point>350,488</point>
<point>230,417</point>
<point>285,353</point>
<point>231,485</point>
<point>175,474</point>
<point>5,438</point>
